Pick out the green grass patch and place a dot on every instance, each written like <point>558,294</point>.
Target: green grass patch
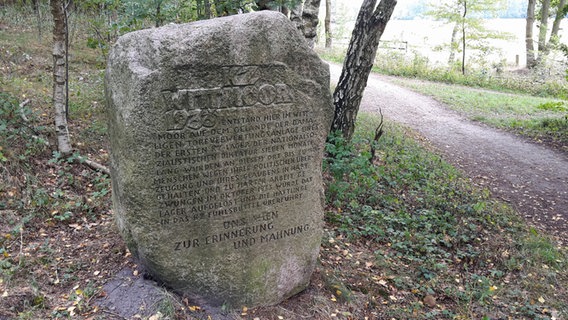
<point>541,119</point>
<point>415,65</point>
<point>335,54</point>
<point>475,102</point>
<point>418,66</point>
<point>436,234</point>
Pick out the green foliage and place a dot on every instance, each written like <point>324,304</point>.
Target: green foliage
<point>469,31</point>
<point>435,233</point>
<point>108,19</point>
<point>559,106</point>
<point>541,119</point>
<point>418,66</point>
<point>372,204</point>
<point>18,138</point>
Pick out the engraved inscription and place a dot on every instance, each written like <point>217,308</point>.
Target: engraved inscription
<point>215,162</point>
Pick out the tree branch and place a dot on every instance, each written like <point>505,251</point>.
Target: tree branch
<point>22,113</point>
<point>378,134</point>
<point>94,165</point>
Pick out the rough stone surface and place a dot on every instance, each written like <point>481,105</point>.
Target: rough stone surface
<point>217,131</point>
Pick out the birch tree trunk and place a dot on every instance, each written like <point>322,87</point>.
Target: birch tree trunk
<point>327,23</point>
<point>463,36</point>
<point>560,13</point>
<point>369,27</point>
<point>454,44</point>
<point>542,47</point>
<point>529,44</point>
<point>59,79</point>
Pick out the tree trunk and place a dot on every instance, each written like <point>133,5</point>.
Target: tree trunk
<point>454,44</point>
<point>542,47</point>
<point>327,23</point>
<point>305,18</point>
<point>463,36</point>
<point>66,34</point>
<point>199,8</point>
<point>158,15</point>
<point>310,20</point>
<point>208,13</point>
<point>38,15</point>
<point>369,27</point>
<point>59,79</point>
<point>529,44</point>
<point>560,13</point>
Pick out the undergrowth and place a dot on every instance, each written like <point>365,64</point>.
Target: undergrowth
<point>538,82</point>
<point>540,119</point>
<point>438,236</point>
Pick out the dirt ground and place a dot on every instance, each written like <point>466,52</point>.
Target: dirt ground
<point>531,177</point>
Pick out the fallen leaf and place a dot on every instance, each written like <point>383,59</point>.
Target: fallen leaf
<point>430,301</point>
<point>541,300</point>
<point>75,226</point>
<point>157,316</point>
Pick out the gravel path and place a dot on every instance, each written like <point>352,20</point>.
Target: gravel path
<point>530,177</point>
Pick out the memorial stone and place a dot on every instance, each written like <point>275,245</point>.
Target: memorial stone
<point>217,131</point>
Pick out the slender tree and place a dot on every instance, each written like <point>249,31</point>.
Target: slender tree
<point>464,3</point>
<point>468,27</point>
<point>543,29</point>
<point>529,42</point>
<point>37,11</point>
<point>369,27</point>
<point>454,44</point>
<point>59,75</point>
<point>561,11</point>
<point>327,23</point>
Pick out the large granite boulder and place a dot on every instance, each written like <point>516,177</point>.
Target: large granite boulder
<point>217,131</point>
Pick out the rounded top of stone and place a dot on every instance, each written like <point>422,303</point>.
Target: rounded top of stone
<point>256,38</point>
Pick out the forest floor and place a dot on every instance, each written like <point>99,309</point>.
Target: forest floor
<point>532,177</point>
